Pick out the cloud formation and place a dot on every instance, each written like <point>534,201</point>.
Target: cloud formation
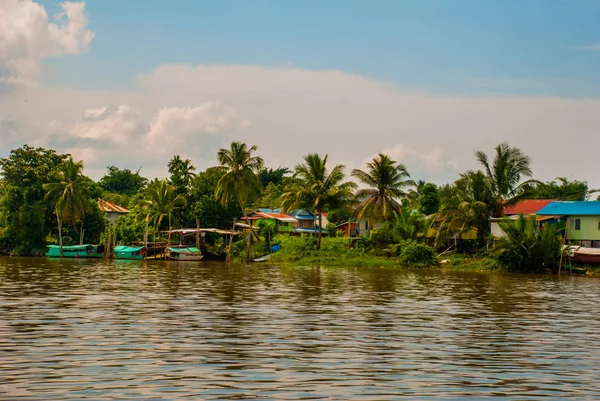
<point>28,35</point>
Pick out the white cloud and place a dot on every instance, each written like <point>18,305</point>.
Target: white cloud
<point>27,36</point>
<point>194,110</point>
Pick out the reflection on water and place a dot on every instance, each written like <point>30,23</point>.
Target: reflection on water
<point>102,330</point>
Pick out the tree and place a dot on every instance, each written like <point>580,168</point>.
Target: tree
<point>465,207</point>
<point>429,199</point>
<point>205,207</point>
<point>387,181</point>
<point>160,200</point>
<point>272,176</point>
<point>26,218</point>
<point>316,189</point>
<point>505,176</point>
<point>123,181</point>
<point>241,175</point>
<point>182,173</point>
<point>563,189</point>
<point>69,195</point>
<point>411,225</point>
<point>527,247</point>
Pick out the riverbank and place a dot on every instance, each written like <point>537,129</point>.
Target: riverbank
<point>337,252</point>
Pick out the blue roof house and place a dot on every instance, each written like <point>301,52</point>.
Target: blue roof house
<point>307,222</point>
<point>582,219</point>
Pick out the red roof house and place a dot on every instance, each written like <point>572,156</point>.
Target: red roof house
<point>527,207</point>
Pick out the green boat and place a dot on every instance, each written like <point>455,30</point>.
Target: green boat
<point>129,252</point>
<point>76,251</point>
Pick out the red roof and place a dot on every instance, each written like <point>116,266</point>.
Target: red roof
<point>527,206</point>
<point>108,207</point>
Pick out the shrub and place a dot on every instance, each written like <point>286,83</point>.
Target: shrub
<point>413,254</point>
<point>331,230</point>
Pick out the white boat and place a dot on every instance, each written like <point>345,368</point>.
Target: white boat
<point>184,253</point>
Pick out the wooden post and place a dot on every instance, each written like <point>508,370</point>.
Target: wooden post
<point>198,233</point>
<point>248,244</point>
<point>107,251</point>
<point>146,232</point>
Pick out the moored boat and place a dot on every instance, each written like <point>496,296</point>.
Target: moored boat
<point>586,256</point>
<point>130,252</point>
<point>76,251</point>
<point>184,253</point>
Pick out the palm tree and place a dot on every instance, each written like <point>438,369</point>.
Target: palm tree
<point>387,181</point>
<point>505,175</point>
<point>465,207</point>
<point>160,200</point>
<point>315,188</point>
<point>182,173</point>
<point>69,195</point>
<point>411,225</point>
<point>241,175</point>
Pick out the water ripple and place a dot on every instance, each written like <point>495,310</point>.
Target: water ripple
<point>98,330</point>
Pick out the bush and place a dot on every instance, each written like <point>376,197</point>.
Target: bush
<point>413,254</point>
<point>331,230</point>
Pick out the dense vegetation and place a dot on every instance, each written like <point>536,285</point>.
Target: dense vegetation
<point>45,197</point>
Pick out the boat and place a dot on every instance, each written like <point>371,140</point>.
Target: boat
<point>76,251</point>
<point>583,255</point>
<point>184,253</point>
<point>274,248</point>
<point>130,252</point>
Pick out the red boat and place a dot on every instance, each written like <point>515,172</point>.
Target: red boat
<point>586,256</point>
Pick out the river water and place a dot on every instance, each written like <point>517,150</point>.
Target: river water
<point>97,330</point>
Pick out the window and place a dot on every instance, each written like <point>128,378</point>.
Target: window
<point>577,224</point>
<point>598,224</point>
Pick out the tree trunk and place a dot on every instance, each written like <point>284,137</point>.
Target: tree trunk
<point>146,232</point>
<point>60,243</point>
<point>81,233</point>
<point>319,232</point>
<point>198,233</point>
<point>246,216</point>
<point>169,240</point>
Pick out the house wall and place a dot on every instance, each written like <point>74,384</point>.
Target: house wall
<point>588,229</point>
<point>497,232</point>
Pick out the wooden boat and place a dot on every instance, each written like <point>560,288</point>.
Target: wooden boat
<point>76,251</point>
<point>184,253</point>
<point>129,252</point>
<point>586,256</point>
<point>274,248</point>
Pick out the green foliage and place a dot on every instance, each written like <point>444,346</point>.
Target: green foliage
<point>205,207</point>
<point>429,199</point>
<point>331,229</point>
<point>160,200</point>
<point>411,225</point>
<point>387,181</point>
<point>240,180</point>
<point>122,181</point>
<point>271,197</point>
<point>562,189</point>
<point>182,174</point>
<point>272,176</point>
<point>340,215</point>
<point>528,248</point>
<point>414,254</point>
<point>26,218</point>
<point>316,189</point>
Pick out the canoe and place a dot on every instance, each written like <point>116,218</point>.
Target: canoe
<point>130,252</point>
<point>582,255</point>
<point>76,251</point>
<point>274,248</point>
<point>184,253</point>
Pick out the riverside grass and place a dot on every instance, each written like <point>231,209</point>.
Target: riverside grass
<point>335,251</point>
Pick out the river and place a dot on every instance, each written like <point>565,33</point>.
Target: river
<point>97,330</point>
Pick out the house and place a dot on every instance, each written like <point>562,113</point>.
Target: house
<point>526,207</point>
<point>307,222</point>
<point>349,228</point>
<point>283,223</point>
<point>582,220</point>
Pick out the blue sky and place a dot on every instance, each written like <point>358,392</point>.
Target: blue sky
<point>132,83</point>
<point>534,47</point>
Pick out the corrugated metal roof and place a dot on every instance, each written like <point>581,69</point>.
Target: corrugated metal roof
<point>579,208</point>
<point>109,207</point>
<point>527,206</point>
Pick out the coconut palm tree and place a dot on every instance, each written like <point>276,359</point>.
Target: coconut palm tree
<point>505,177</point>
<point>315,188</point>
<point>241,179</point>
<point>160,200</point>
<point>465,207</point>
<point>387,182</point>
<point>182,173</point>
<point>69,195</point>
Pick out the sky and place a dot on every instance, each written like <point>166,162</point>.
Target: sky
<point>131,84</point>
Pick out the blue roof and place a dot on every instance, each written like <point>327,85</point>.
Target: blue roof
<point>302,214</point>
<point>269,210</point>
<point>579,208</point>
<point>308,230</point>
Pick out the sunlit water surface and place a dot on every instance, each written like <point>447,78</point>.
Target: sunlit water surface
<point>97,330</point>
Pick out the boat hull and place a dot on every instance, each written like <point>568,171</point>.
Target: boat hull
<point>586,259</point>
<point>80,251</point>
<point>186,258</point>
